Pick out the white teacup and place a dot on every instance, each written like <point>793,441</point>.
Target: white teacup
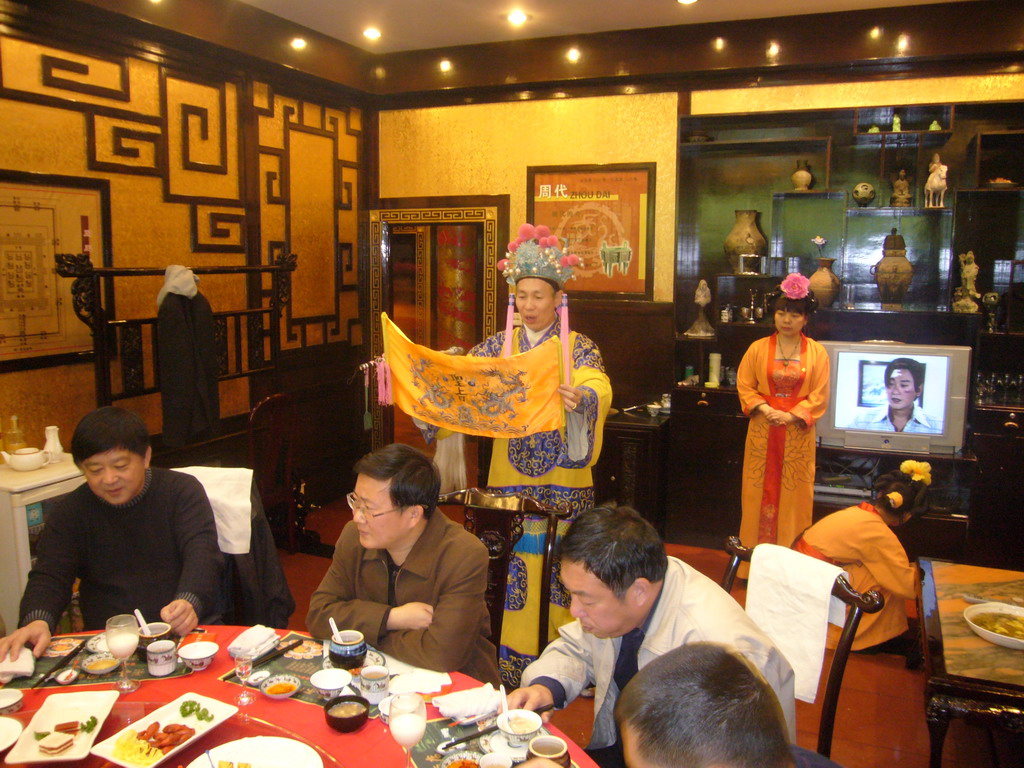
<point>329,682</point>
<point>373,682</point>
<point>519,726</point>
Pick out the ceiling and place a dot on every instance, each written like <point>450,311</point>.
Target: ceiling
<point>423,24</point>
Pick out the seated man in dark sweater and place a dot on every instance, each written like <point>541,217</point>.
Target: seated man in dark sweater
<point>135,537</point>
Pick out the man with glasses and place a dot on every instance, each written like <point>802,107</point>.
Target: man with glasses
<point>411,580</point>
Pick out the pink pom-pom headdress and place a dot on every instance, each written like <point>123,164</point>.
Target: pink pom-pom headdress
<point>537,253</point>
<point>795,286</point>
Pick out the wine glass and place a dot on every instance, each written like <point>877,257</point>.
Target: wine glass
<point>407,718</point>
<point>122,635</point>
<point>243,670</point>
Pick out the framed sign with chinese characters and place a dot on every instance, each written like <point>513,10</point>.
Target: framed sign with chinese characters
<point>605,215</point>
<point>41,215</point>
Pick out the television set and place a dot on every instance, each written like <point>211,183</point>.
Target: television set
<point>922,408</point>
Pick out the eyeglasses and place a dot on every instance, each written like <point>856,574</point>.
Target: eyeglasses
<point>359,508</point>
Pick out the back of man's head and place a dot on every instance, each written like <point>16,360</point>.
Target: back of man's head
<point>702,705</point>
<point>108,428</point>
<point>616,545</point>
<point>414,477</point>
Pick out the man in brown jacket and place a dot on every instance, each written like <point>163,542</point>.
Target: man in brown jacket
<point>411,580</point>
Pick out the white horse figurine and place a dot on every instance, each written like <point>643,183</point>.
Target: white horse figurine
<point>935,187</point>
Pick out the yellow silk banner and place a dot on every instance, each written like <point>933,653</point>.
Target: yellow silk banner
<point>487,396</point>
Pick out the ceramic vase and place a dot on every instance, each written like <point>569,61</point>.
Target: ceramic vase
<point>863,194</point>
<point>53,445</point>
<point>801,177</point>
<point>894,273</point>
<point>744,238</point>
<point>824,282</point>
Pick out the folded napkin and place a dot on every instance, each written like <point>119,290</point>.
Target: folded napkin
<point>23,666</point>
<point>255,640</point>
<point>420,681</point>
<point>789,596</point>
<point>228,489</point>
<point>470,703</point>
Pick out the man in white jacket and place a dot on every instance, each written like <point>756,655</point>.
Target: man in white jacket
<point>633,604</point>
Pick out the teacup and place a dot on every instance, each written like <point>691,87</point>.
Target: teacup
<point>347,649</point>
<point>551,748</point>
<point>161,659</point>
<point>518,726</point>
<point>373,682</point>
<point>329,682</point>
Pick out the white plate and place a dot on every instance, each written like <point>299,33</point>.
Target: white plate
<point>374,659</point>
<point>97,643</point>
<point>995,637</point>
<point>10,730</point>
<point>61,708</point>
<point>167,714</point>
<point>262,750</point>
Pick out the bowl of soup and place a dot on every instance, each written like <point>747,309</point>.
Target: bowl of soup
<point>998,623</point>
<point>347,713</point>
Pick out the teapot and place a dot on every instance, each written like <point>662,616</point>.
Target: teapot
<point>26,459</point>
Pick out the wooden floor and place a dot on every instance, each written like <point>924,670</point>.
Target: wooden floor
<point>880,721</point>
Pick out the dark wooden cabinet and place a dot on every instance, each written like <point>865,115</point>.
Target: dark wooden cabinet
<point>631,470</point>
<point>707,433</point>
<point>996,532</point>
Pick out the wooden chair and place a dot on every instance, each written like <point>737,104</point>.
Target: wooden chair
<point>272,437</point>
<point>859,604</point>
<point>497,520</point>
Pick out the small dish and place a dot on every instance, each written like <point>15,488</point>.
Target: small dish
<point>198,655</point>
<point>258,676</point>
<point>67,677</point>
<point>100,663</point>
<point>10,730</point>
<point>97,643</point>
<point>1006,641</point>
<point>496,742</point>
<point>280,686</point>
<point>463,759</point>
<point>11,700</point>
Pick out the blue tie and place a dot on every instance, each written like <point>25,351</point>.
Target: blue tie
<point>625,662</point>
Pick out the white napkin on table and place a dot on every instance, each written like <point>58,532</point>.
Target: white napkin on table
<point>469,703</point>
<point>23,666</point>
<point>789,596</point>
<point>228,489</point>
<point>419,681</point>
<point>255,640</point>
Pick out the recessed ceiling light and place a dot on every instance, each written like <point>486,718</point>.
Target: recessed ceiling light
<point>298,43</point>
<point>773,49</point>
<point>155,2</point>
<point>719,43</point>
<point>445,65</point>
<point>903,43</point>
<point>876,32</point>
<point>371,33</point>
<point>517,18</point>
<point>573,55</point>
<point>686,2</point>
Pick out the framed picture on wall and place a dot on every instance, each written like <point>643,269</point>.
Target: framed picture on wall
<point>605,215</point>
<point>42,215</point>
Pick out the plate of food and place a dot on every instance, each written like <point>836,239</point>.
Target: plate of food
<point>260,750</point>
<point>64,728</point>
<point>164,732</point>
<point>999,623</point>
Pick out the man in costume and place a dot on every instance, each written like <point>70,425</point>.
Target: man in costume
<point>633,604</point>
<point>134,537</point>
<point>553,467</point>
<point>411,580</point>
<point>904,382</point>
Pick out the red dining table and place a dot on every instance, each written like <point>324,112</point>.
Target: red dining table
<point>369,747</point>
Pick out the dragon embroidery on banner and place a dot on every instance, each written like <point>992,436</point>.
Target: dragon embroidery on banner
<point>467,403</point>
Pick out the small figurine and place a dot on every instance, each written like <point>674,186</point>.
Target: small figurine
<point>962,301</point>
<point>900,191</point>
<point>701,328</point>
<point>969,274</point>
<point>935,187</point>
<point>991,303</point>
<point>896,123</point>
<point>874,129</point>
<point>935,126</point>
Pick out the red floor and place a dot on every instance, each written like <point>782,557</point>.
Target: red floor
<point>880,721</point>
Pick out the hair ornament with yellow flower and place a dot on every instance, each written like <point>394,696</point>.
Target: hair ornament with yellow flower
<point>919,471</point>
<point>895,499</point>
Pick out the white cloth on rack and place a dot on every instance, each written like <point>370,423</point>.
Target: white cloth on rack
<point>255,640</point>
<point>470,703</point>
<point>789,596</point>
<point>228,489</point>
<point>22,666</point>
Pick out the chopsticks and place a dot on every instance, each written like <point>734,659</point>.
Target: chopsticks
<point>60,665</point>
<point>444,746</point>
<point>260,661</point>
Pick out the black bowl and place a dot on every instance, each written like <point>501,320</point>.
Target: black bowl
<point>347,723</point>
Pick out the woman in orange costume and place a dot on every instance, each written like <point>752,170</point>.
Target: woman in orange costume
<point>861,541</point>
<point>783,388</point>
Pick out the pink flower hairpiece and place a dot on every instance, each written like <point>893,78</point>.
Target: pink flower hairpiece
<point>795,286</point>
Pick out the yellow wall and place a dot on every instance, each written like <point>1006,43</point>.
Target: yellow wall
<point>484,149</point>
